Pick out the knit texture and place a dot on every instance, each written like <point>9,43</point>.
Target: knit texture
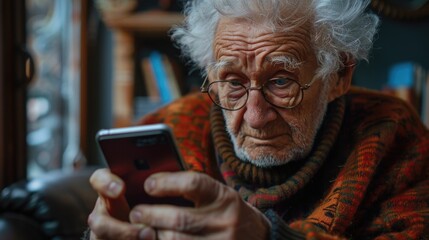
<point>280,230</point>
<point>282,182</point>
<point>189,120</point>
<point>372,184</point>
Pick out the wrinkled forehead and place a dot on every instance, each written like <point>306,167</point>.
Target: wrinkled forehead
<point>244,42</point>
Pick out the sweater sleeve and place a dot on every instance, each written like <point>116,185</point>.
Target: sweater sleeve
<point>400,209</point>
<point>403,216</point>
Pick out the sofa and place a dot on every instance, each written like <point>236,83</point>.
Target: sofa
<point>54,206</point>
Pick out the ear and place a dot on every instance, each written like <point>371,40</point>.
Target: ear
<point>342,80</point>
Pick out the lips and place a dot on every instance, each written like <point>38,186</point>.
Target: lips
<point>263,139</point>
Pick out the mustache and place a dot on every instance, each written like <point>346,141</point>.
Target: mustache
<point>269,131</point>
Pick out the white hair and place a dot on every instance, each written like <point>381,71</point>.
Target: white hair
<point>340,28</point>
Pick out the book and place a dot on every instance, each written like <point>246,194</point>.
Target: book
<point>149,79</point>
<point>160,77</point>
<point>405,82</point>
<point>166,80</point>
<point>171,77</point>
<point>160,83</point>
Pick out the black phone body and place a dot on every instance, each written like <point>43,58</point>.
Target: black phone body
<point>134,153</point>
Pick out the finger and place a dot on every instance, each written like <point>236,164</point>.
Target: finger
<point>163,234</point>
<point>111,209</point>
<point>168,234</point>
<point>105,227</point>
<point>148,233</point>
<point>109,203</point>
<point>168,217</point>
<point>106,183</point>
<point>197,187</point>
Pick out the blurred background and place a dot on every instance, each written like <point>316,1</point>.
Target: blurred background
<point>71,67</point>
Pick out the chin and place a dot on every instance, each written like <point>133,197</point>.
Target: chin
<point>264,158</point>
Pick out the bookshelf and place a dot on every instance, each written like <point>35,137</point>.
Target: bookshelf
<point>155,23</point>
<point>133,31</point>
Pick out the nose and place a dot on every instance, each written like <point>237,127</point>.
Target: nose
<point>258,111</point>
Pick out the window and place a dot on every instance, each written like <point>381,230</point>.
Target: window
<point>53,96</point>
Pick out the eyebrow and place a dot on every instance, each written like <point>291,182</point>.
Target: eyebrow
<point>222,64</point>
<point>289,62</point>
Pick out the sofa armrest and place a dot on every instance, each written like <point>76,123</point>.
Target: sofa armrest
<point>56,206</point>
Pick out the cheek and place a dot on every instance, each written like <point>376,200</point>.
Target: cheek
<point>233,120</point>
<point>309,115</point>
<point>304,119</point>
<point>293,120</point>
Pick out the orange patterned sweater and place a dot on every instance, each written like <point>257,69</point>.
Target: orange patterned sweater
<point>373,183</point>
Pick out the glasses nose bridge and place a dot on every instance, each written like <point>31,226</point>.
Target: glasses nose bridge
<point>255,88</point>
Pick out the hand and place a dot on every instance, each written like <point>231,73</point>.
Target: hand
<point>109,218</point>
<point>219,211</point>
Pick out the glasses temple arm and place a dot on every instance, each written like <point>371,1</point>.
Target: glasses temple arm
<point>203,87</point>
<point>308,85</point>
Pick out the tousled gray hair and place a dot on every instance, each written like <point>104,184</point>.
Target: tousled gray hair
<point>340,28</point>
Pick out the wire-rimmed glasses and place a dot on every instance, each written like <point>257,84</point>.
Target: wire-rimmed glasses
<point>233,95</point>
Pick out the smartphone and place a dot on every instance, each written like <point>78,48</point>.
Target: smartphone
<point>134,153</point>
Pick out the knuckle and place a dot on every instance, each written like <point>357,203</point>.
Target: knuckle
<point>96,225</point>
<point>95,222</point>
<point>189,223</point>
<point>194,181</point>
<point>180,222</point>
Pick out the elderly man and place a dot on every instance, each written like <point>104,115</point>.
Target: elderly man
<point>278,145</point>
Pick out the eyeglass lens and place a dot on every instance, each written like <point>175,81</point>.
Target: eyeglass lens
<point>283,93</point>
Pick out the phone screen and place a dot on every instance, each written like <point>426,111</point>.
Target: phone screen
<point>135,153</point>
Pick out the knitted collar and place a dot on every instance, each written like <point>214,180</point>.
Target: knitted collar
<point>264,187</point>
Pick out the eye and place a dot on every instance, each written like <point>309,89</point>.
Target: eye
<point>280,82</point>
<point>282,87</point>
<point>234,83</point>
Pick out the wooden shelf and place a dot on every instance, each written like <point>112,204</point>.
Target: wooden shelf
<point>153,24</point>
<point>150,22</point>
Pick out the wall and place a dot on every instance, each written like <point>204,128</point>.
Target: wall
<point>396,41</point>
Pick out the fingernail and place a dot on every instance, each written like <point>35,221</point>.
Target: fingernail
<point>150,184</point>
<point>136,216</point>
<point>147,234</point>
<point>114,189</point>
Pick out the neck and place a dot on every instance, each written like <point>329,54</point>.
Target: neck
<point>288,178</point>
